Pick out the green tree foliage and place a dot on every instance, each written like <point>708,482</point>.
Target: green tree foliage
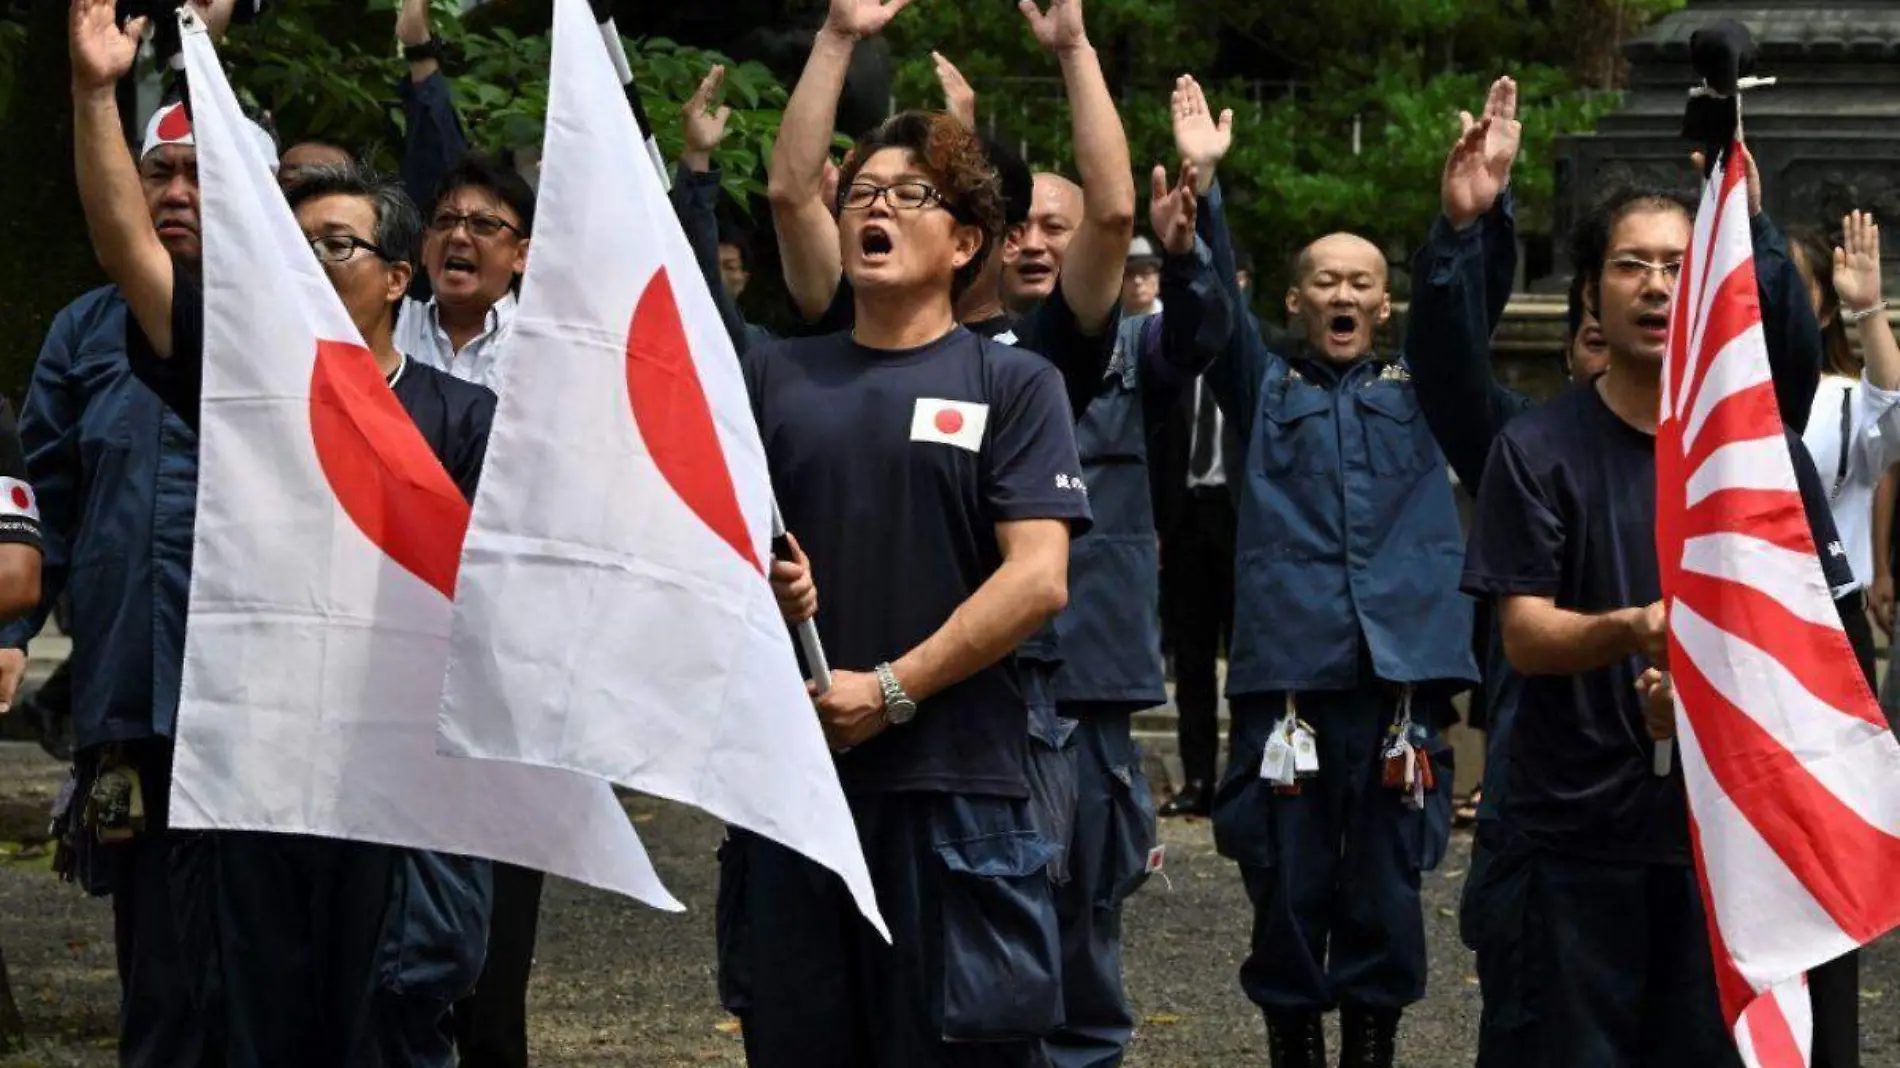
<point>317,83</point>
<point>1348,109</point>
<point>12,41</point>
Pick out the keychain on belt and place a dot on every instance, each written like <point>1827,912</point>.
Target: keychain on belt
<point>1292,754</point>
<point>1407,763</point>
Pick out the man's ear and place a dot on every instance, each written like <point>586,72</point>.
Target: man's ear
<point>521,256</point>
<point>1385,308</point>
<point>1293,301</point>
<point>400,275</point>
<point>969,244</point>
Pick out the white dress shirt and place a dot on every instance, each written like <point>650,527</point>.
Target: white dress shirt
<point>1867,420</point>
<point>420,336</point>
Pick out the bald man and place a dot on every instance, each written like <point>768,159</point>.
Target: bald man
<point>1032,253</point>
<point>1350,638</point>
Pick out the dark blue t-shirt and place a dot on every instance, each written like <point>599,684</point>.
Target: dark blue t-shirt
<point>893,468</point>
<point>1567,510</point>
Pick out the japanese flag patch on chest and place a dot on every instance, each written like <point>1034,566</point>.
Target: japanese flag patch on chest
<point>948,422</point>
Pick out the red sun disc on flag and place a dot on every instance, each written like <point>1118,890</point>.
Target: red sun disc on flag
<point>949,421</point>
<point>675,420</point>
<point>175,125</point>
<point>385,476</point>
<point>22,499</point>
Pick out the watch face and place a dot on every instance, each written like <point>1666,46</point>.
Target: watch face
<point>900,711</point>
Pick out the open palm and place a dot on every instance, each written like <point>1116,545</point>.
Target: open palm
<point>1058,29</point>
<point>863,18</point>
<point>1479,166</point>
<point>1197,136</point>
<point>102,50</point>
<point>1857,262</point>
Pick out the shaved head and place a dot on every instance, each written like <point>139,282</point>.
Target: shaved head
<point>1339,248</point>
<point>1339,295</point>
<point>1032,252</point>
<point>1049,183</point>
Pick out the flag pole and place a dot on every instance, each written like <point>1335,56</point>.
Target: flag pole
<point>807,631</point>
<point>617,51</point>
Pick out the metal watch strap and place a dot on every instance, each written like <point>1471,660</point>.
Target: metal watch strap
<point>893,691</point>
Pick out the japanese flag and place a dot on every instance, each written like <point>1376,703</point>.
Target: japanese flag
<point>613,615</point>
<point>324,558</point>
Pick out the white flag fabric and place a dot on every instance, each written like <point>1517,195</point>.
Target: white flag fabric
<point>1793,776</point>
<point>324,556</point>
<point>613,614</point>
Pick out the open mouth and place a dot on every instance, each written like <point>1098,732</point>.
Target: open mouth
<point>874,242</point>
<point>1035,272</point>
<point>1656,323</point>
<point>1342,328</point>
<point>457,266</point>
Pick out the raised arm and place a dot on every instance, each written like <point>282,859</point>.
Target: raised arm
<point>696,194</point>
<point>1448,328</point>
<point>110,188</point>
<point>1857,280</point>
<point>1198,321</point>
<point>1092,268</point>
<point>433,138</point>
<point>807,231</point>
<point>1236,376</point>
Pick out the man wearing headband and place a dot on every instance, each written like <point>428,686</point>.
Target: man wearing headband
<point>115,475</point>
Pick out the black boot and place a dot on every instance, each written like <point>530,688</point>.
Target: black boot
<point>1194,799</point>
<point>1367,1036</point>
<point>1296,1040</point>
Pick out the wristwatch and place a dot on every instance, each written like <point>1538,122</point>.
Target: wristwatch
<point>429,49</point>
<point>898,707</point>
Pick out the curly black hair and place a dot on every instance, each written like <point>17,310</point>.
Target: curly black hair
<point>953,156</point>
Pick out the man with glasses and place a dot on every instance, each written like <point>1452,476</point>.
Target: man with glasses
<point>932,476</point>
<point>1613,962</point>
<point>474,252</point>
<point>281,934</point>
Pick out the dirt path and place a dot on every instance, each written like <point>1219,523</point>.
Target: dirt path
<point>620,985</point>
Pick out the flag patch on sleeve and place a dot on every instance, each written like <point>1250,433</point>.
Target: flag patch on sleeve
<point>17,499</point>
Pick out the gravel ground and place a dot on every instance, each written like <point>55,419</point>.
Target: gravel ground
<point>617,984</point>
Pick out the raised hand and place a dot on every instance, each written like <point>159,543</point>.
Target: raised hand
<point>1197,137</point>
<point>1060,29</point>
<point>1857,262</point>
<point>102,50</point>
<point>412,22</point>
<point>862,18</point>
<point>1479,166</point>
<point>1700,163</point>
<point>1171,211</point>
<point>958,98</point>
<point>703,126</point>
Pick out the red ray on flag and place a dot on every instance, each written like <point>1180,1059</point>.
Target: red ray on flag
<point>383,474</point>
<point>676,422</point>
<point>1792,775</point>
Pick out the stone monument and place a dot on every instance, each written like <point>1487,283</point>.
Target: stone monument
<point>1826,135</point>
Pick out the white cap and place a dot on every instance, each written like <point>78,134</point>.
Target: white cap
<point>1142,250</point>
<point>171,125</point>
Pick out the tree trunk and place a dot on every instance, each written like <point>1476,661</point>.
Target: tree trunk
<point>12,1026</point>
<point>49,260</point>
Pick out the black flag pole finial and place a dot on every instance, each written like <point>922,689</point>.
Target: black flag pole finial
<point>1723,54</point>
